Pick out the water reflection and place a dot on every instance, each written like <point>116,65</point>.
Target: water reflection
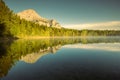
<point>33,57</point>
<point>96,46</point>
<point>30,51</point>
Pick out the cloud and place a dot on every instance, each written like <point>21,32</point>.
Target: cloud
<point>96,46</point>
<point>113,25</point>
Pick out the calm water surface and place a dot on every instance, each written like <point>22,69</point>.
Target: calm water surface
<point>61,59</point>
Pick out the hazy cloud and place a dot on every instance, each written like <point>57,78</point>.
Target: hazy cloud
<point>113,25</point>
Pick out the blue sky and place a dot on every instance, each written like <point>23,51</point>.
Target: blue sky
<point>71,11</point>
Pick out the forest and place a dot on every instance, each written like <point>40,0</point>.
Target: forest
<point>11,26</point>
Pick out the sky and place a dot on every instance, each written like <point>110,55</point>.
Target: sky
<point>72,12</point>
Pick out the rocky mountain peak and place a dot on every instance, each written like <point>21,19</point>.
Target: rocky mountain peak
<point>29,14</point>
<point>32,15</point>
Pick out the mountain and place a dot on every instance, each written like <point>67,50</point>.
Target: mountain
<point>32,15</point>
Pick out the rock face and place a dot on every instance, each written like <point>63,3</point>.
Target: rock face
<point>32,15</point>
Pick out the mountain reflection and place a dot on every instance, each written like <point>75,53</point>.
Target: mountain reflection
<point>30,51</point>
<point>33,57</point>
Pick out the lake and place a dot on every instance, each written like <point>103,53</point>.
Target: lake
<point>92,58</point>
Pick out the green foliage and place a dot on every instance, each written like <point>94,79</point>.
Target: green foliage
<point>12,26</point>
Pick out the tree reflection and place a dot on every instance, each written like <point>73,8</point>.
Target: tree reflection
<point>11,52</point>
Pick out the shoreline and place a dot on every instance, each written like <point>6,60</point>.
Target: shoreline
<point>56,37</point>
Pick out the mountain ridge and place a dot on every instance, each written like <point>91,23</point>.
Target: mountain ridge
<point>32,15</point>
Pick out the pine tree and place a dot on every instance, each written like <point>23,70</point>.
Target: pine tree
<point>5,15</point>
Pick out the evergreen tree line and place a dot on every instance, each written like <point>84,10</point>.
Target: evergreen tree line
<point>12,26</point>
